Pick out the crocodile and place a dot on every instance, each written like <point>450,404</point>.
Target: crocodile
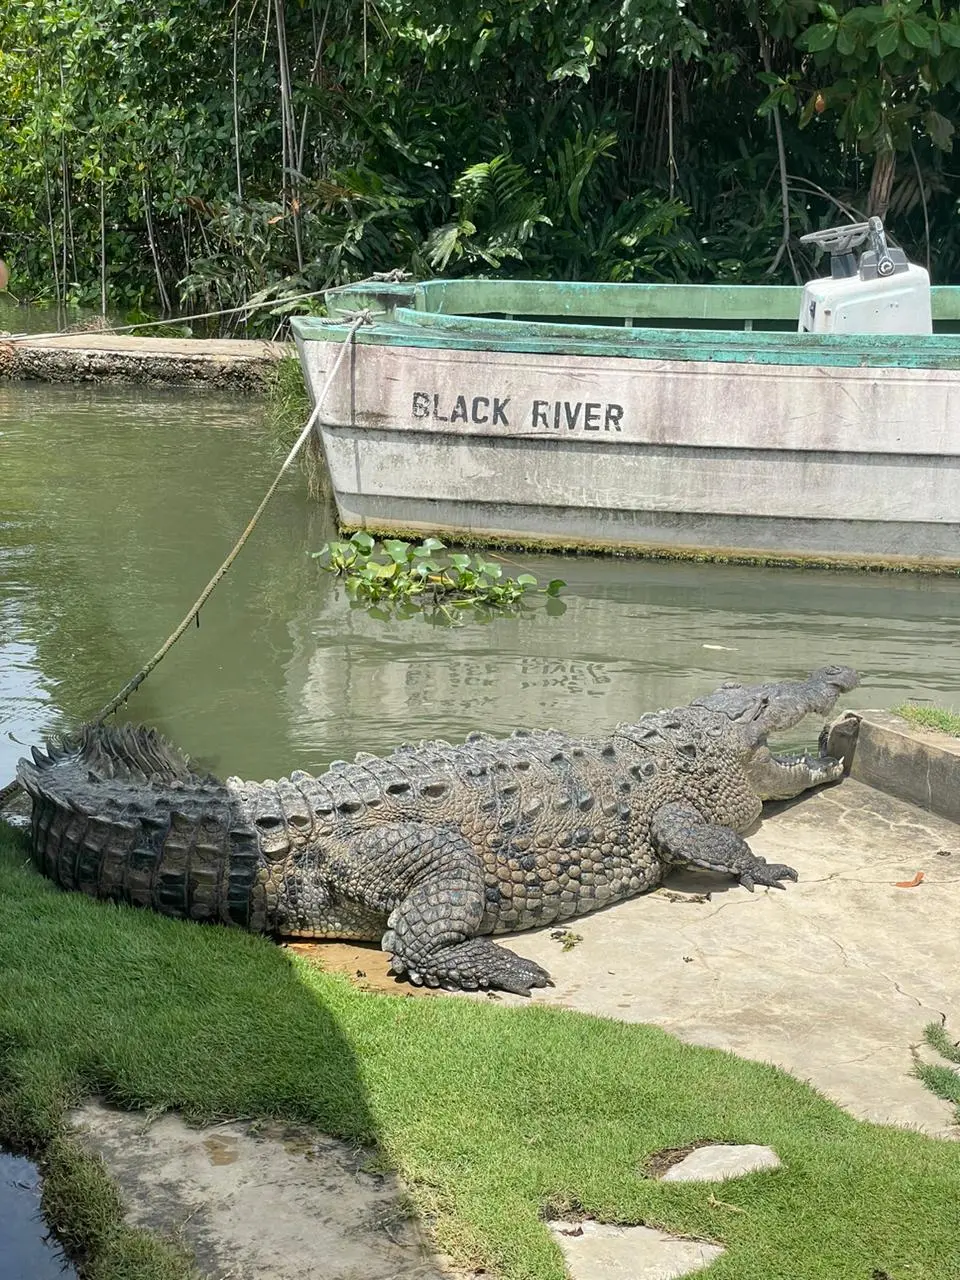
<point>433,848</point>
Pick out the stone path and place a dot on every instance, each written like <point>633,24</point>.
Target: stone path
<point>273,1202</point>
<point>602,1251</point>
<point>605,1251</point>
<point>266,1203</point>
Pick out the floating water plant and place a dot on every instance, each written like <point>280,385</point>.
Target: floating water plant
<point>411,577</point>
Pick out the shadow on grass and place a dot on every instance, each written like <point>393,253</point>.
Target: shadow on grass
<point>489,1113</point>
<point>152,1014</point>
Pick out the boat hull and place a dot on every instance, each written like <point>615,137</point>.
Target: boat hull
<point>828,463</point>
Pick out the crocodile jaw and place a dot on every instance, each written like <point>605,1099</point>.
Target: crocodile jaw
<point>753,712</point>
<point>775,777</point>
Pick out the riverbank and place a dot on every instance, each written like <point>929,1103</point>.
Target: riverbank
<point>235,364</point>
<point>495,1116</point>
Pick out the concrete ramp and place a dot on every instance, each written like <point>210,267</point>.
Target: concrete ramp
<point>832,979</point>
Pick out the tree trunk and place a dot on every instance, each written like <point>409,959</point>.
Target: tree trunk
<point>881,183</point>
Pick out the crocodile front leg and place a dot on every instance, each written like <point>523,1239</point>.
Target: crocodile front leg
<point>680,834</point>
<point>432,929</point>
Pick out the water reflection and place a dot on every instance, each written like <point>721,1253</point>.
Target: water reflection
<point>116,506</point>
<point>28,1254</point>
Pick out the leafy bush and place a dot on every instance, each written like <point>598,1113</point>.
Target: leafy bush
<point>201,156</point>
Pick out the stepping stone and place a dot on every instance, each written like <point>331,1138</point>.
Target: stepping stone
<point>717,1163</point>
<point>603,1251</point>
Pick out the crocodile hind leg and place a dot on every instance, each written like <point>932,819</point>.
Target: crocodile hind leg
<point>680,834</point>
<point>432,930</point>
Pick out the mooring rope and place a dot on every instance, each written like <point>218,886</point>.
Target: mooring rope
<point>357,318</point>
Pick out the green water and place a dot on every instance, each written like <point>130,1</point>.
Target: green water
<point>116,507</point>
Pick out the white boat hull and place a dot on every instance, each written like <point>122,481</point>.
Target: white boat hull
<point>683,457</point>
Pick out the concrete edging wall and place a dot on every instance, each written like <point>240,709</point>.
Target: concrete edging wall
<point>913,764</point>
<point>239,364</point>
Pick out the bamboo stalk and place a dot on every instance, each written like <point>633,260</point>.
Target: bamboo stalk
<point>53,236</point>
<point>185,241</point>
<point>312,79</point>
<point>103,251</point>
<point>784,247</point>
<point>636,120</point>
<point>266,31</point>
<point>923,201</point>
<point>671,161</point>
<point>161,287</point>
<point>63,222</point>
<point>236,105</point>
<point>65,198</point>
<point>288,130</point>
<point>648,123</point>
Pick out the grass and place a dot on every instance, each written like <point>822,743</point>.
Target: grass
<point>288,405</point>
<point>287,409</point>
<point>491,1114</point>
<point>943,1081</point>
<point>930,717</point>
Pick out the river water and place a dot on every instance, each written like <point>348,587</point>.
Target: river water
<point>117,505</point>
<point>27,1251</point>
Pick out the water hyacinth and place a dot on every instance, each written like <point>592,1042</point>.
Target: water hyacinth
<point>401,578</point>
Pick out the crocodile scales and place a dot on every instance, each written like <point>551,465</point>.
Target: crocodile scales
<point>435,847</point>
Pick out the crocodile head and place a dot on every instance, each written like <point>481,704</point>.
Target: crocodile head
<point>750,713</point>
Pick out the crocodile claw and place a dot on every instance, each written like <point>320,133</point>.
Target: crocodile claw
<point>767,874</point>
<point>522,977</point>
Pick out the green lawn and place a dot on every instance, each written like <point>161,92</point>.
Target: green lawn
<point>930,717</point>
<point>490,1113</point>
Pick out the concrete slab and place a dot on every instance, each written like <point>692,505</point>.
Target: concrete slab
<point>914,764</point>
<point>718,1162</point>
<point>226,363</point>
<point>603,1251</point>
<point>832,979</point>
<point>265,1203</point>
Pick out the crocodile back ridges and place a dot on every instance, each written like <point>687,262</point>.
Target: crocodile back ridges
<point>472,784</point>
<point>119,813</point>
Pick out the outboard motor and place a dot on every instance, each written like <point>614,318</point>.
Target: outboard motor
<point>880,293</point>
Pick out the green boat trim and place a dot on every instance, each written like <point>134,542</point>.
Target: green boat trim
<point>725,303</point>
<point>485,315</point>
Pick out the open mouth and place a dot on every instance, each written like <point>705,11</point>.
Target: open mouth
<point>780,777</point>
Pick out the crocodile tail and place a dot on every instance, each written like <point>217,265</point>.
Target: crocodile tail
<point>120,813</point>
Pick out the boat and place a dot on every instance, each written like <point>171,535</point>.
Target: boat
<point>728,422</point>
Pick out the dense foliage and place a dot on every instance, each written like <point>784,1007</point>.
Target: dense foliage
<point>197,154</point>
